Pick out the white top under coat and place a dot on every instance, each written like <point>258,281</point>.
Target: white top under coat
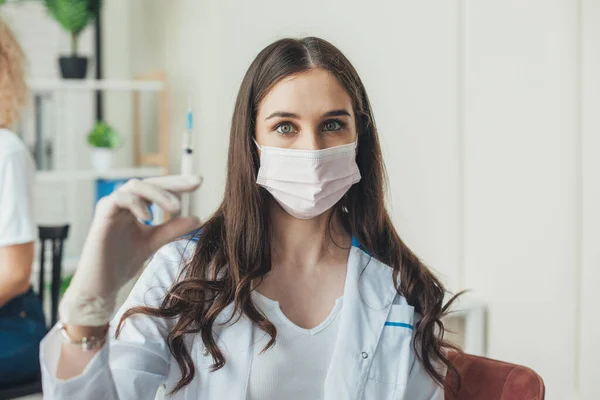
<point>296,366</point>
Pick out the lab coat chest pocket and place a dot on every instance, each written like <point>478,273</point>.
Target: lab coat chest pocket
<point>393,355</point>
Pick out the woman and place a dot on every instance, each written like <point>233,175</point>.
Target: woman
<point>22,324</point>
<point>297,287</point>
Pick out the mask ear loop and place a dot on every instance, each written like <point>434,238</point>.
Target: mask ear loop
<point>257,145</point>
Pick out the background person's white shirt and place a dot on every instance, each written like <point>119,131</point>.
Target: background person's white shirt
<point>17,175</point>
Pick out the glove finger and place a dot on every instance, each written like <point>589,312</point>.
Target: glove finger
<point>134,204</point>
<point>153,194</point>
<point>176,183</point>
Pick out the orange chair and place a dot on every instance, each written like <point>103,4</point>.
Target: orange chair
<point>486,379</point>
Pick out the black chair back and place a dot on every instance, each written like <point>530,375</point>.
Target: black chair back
<point>55,236</point>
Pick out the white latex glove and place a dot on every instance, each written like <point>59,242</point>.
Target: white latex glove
<point>118,244</point>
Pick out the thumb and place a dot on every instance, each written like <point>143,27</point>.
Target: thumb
<point>171,230</point>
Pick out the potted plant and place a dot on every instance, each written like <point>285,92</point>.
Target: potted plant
<point>73,16</point>
<point>104,140</point>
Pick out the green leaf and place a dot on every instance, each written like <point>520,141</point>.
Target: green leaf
<point>103,136</point>
<point>73,15</point>
<point>64,284</point>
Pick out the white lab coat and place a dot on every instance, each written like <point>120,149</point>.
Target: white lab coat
<point>371,359</point>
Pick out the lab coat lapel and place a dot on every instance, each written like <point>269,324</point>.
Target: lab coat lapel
<point>368,296</point>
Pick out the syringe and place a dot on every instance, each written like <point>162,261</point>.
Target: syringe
<point>187,164</point>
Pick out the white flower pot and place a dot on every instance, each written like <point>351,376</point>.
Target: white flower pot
<point>102,159</point>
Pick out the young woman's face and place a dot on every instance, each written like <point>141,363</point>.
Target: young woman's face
<point>308,111</point>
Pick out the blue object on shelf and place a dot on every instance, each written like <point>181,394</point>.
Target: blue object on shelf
<point>104,187</point>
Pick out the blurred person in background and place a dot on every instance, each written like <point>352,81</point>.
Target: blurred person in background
<point>22,324</point>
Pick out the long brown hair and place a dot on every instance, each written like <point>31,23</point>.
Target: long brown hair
<point>234,246</point>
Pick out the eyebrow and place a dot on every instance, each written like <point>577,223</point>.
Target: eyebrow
<point>285,114</point>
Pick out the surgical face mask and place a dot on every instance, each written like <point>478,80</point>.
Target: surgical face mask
<point>306,183</point>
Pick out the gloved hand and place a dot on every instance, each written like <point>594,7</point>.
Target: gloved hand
<point>118,244</point>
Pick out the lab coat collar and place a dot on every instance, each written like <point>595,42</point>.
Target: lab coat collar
<point>374,279</point>
<point>368,296</point>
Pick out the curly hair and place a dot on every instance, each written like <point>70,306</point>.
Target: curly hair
<point>13,89</point>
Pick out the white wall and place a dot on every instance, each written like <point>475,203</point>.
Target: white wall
<point>488,117</point>
<point>589,328</point>
<point>521,196</point>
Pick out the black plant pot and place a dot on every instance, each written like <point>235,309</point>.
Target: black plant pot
<point>73,67</point>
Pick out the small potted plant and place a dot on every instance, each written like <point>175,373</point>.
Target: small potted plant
<point>104,140</point>
<point>73,16</point>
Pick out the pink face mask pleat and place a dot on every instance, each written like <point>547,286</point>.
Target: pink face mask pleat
<point>307,183</point>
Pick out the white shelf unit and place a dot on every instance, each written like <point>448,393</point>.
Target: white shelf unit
<point>66,194</point>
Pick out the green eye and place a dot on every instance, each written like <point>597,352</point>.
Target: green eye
<point>333,126</point>
<point>285,128</point>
